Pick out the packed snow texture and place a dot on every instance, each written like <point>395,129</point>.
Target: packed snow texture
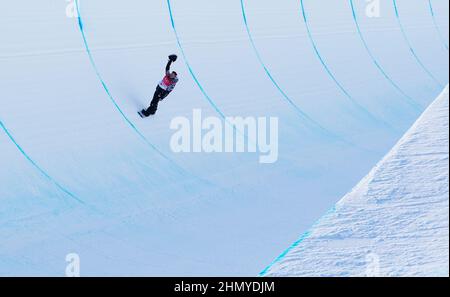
<point>395,222</point>
<point>81,172</point>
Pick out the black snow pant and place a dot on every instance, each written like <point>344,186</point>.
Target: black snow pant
<point>160,94</point>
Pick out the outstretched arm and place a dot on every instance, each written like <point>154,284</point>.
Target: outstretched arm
<point>172,58</point>
<point>168,67</point>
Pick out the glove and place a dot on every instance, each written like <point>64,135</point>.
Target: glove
<point>173,58</point>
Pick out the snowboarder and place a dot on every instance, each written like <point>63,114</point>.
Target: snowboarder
<point>164,88</point>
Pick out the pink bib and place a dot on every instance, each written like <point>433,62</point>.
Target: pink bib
<point>167,81</point>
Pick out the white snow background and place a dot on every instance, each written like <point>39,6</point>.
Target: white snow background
<point>80,172</point>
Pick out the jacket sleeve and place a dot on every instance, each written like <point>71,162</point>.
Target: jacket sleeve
<point>168,67</point>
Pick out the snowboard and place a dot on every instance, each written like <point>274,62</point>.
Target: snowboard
<point>141,114</point>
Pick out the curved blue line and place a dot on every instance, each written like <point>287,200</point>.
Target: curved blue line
<point>433,16</point>
<point>194,76</point>
<point>410,100</point>
<point>309,121</point>
<point>105,87</point>
<point>191,71</point>
<point>39,168</point>
<point>333,77</point>
<point>411,48</point>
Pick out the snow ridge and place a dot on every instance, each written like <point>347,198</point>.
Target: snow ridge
<point>395,222</point>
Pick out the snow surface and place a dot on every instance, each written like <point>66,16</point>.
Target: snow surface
<point>397,218</point>
<point>80,172</point>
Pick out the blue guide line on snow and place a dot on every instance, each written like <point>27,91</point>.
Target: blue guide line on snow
<point>355,104</point>
<point>105,87</point>
<point>39,168</point>
<point>411,48</point>
<point>194,76</point>
<point>436,25</point>
<point>309,122</point>
<point>410,100</point>
<point>188,65</point>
